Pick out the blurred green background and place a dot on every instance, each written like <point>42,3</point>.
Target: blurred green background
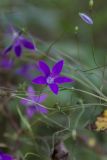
<point>48,19</point>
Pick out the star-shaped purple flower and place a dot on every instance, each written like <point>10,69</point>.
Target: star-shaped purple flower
<point>52,78</point>
<point>19,41</point>
<point>31,100</point>
<point>4,156</point>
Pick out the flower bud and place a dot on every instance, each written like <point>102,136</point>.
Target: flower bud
<point>91,3</point>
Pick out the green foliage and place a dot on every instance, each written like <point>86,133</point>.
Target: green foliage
<point>52,26</point>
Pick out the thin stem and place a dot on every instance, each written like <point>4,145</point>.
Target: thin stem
<point>31,101</point>
<point>89,93</point>
<point>80,115</point>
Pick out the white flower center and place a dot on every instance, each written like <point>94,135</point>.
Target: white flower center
<point>15,35</point>
<point>30,102</point>
<point>50,80</point>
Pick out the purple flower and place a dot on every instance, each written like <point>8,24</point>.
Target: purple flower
<point>18,41</point>
<point>5,62</point>
<point>31,100</point>
<point>26,71</point>
<point>4,156</point>
<point>52,78</point>
<point>86,18</point>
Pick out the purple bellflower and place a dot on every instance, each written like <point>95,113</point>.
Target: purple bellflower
<point>5,62</point>
<point>30,103</point>
<point>86,18</point>
<point>52,78</point>
<point>4,156</point>
<point>26,71</point>
<point>19,41</point>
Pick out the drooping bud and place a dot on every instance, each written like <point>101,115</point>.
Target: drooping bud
<point>86,18</point>
<point>91,4</point>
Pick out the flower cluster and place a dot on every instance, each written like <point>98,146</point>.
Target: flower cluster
<point>51,78</point>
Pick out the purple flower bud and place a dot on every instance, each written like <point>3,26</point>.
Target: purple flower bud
<point>86,18</point>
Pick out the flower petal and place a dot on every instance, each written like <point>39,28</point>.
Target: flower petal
<point>24,102</point>
<point>44,68</point>
<point>27,44</point>
<point>23,69</point>
<point>39,80</point>
<point>54,88</point>
<point>4,156</point>
<point>63,79</point>
<point>41,98</point>
<point>57,68</point>
<point>8,49</point>
<point>86,18</point>
<point>5,62</point>
<point>31,91</point>
<point>7,157</point>
<point>41,109</point>
<point>31,110</point>
<point>18,50</point>
<point>26,71</point>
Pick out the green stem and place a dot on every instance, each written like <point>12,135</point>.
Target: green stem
<point>80,115</point>
<point>79,90</point>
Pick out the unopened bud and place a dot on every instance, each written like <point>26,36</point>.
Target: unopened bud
<point>76,29</point>
<point>91,3</point>
<point>74,134</point>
